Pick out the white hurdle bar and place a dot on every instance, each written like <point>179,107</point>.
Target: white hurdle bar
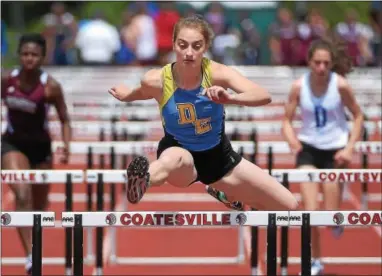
<point>93,128</point>
<point>38,177</point>
<point>294,175</point>
<point>303,219</point>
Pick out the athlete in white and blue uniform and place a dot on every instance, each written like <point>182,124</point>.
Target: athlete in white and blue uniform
<point>324,140</point>
<point>191,94</point>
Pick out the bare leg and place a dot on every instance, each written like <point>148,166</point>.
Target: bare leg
<point>15,160</point>
<point>333,193</point>
<point>40,192</point>
<point>256,188</point>
<point>309,192</point>
<point>175,166</point>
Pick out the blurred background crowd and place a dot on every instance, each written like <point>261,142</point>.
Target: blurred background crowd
<point>140,33</point>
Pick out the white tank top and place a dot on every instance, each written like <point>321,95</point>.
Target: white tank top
<point>146,41</point>
<point>324,124</point>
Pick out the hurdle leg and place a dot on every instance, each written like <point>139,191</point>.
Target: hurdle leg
<point>271,245</point>
<point>306,259</point>
<point>89,188</point>
<point>68,231</point>
<point>99,230</point>
<point>365,165</point>
<point>255,248</point>
<point>112,230</point>
<point>89,237</point>
<point>78,246</point>
<point>284,237</point>
<point>36,246</point>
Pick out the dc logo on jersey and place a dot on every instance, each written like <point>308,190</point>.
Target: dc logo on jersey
<point>11,89</point>
<point>338,218</point>
<point>111,219</point>
<point>5,219</point>
<point>241,219</point>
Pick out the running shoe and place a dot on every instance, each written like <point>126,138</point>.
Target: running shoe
<point>337,231</point>
<point>138,178</point>
<point>236,205</point>
<point>28,265</point>
<point>317,268</point>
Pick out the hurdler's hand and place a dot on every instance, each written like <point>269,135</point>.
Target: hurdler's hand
<point>120,92</point>
<point>218,94</point>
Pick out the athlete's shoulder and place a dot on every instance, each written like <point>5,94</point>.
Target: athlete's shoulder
<point>343,86</point>
<point>153,79</point>
<point>297,85</point>
<point>341,81</point>
<point>50,81</point>
<point>221,74</point>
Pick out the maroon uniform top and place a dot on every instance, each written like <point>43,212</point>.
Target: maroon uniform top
<point>27,110</point>
<point>351,33</point>
<point>286,35</point>
<point>306,34</point>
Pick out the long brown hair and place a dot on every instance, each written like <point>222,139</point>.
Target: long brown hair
<point>197,22</point>
<point>342,61</point>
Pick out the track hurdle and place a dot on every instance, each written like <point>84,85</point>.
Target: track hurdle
<point>270,220</point>
<point>36,177</point>
<point>36,220</point>
<point>284,176</point>
<point>372,176</point>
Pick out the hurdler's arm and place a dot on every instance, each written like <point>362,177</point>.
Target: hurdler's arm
<point>150,88</point>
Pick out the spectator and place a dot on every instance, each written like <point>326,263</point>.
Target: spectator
<point>249,50</point>
<point>216,18</point>
<point>311,28</point>
<point>4,42</point>
<point>350,31</point>
<point>60,33</point>
<point>283,38</point>
<point>165,22</point>
<point>375,36</point>
<point>98,42</point>
<point>141,36</point>
<point>189,12</point>
<point>225,44</point>
<point>126,54</point>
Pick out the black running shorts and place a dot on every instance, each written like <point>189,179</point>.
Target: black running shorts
<point>211,165</point>
<point>320,159</point>
<point>36,152</point>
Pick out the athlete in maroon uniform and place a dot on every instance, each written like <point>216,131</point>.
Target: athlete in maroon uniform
<point>26,143</point>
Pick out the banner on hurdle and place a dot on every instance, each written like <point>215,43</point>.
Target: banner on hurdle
<point>25,219</point>
<point>294,175</point>
<point>41,176</point>
<point>211,219</point>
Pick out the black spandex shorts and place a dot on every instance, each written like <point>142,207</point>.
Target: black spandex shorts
<point>211,165</point>
<point>36,152</point>
<point>321,159</point>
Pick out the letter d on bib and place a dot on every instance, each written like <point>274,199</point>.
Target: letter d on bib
<point>187,114</point>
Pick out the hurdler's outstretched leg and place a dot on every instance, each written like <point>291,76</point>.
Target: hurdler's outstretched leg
<point>175,166</point>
